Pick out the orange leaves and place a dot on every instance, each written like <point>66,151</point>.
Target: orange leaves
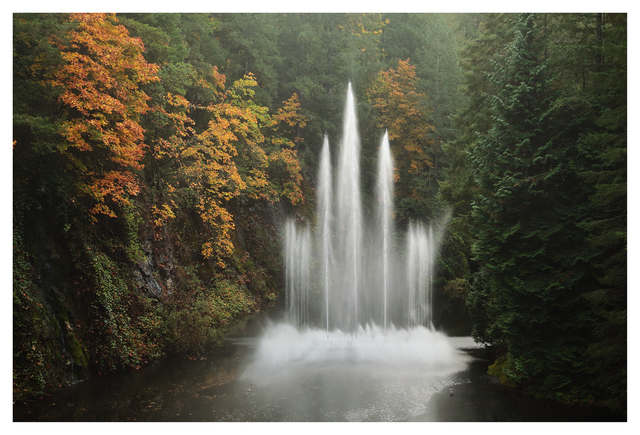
<point>100,89</point>
<point>116,185</point>
<point>235,149</point>
<point>400,110</point>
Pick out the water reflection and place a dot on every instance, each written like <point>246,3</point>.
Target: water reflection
<point>228,388</point>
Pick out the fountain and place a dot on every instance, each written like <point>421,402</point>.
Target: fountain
<point>324,220</point>
<point>357,295</point>
<point>385,212</point>
<point>362,279</point>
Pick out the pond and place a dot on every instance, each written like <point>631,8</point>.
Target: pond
<point>230,387</point>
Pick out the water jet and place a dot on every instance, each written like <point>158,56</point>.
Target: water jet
<point>342,280</point>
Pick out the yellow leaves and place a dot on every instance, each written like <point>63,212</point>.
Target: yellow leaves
<point>244,151</point>
<point>243,87</point>
<point>161,215</point>
<point>220,247</point>
<point>176,100</point>
<point>289,113</point>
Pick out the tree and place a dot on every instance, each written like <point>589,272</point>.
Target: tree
<point>100,82</point>
<point>535,266</point>
<point>36,117</point>
<point>319,55</point>
<point>459,189</point>
<point>399,108</point>
<point>242,152</point>
<point>607,232</point>
<point>251,43</point>
<point>432,43</point>
<point>479,57</point>
<point>440,75</point>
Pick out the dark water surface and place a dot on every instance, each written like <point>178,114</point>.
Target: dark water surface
<point>217,389</point>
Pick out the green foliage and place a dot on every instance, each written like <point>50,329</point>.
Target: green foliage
<point>29,374</point>
<point>459,187</point>
<point>194,321</point>
<point>532,164</point>
<point>501,368</point>
<point>531,148</point>
<point>252,48</point>
<point>119,341</point>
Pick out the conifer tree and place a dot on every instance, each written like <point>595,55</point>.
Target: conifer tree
<point>531,250</point>
<point>607,140</point>
<point>459,188</point>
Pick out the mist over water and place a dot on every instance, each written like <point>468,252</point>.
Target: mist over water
<point>284,345</point>
<point>371,375</point>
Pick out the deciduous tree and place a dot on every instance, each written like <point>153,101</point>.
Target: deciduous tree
<point>400,109</point>
<point>242,152</point>
<point>100,82</point>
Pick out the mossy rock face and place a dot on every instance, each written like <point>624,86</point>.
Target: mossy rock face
<point>66,357</point>
<point>497,369</point>
<point>78,354</point>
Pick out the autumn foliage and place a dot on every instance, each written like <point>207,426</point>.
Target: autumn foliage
<point>242,150</point>
<point>100,82</point>
<point>399,108</point>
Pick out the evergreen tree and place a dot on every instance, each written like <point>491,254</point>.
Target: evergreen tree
<point>607,140</point>
<point>440,74</point>
<point>459,187</point>
<point>251,41</point>
<point>534,262</point>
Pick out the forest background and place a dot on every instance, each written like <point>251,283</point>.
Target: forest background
<point>125,252</point>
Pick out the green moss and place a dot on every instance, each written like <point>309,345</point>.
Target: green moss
<point>77,352</point>
<point>499,369</point>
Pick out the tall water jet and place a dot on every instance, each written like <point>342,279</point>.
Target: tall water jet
<point>349,217</point>
<point>420,262</point>
<point>297,270</point>
<point>385,214</point>
<point>324,197</point>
